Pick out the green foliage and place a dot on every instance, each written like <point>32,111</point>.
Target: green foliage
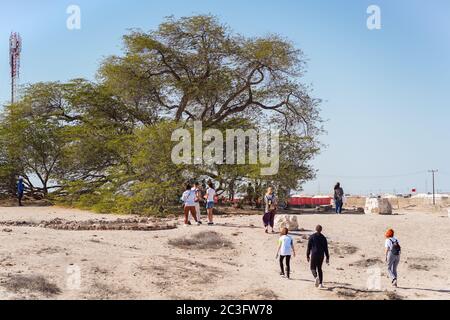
<point>106,146</point>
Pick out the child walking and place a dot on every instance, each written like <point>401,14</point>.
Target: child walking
<point>285,251</point>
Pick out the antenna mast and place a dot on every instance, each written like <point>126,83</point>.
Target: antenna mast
<point>15,48</point>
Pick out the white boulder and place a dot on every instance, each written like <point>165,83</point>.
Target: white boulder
<point>286,221</point>
<point>378,206</point>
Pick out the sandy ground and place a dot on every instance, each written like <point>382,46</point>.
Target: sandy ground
<point>143,265</point>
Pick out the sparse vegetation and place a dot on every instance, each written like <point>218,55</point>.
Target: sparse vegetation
<point>343,249</point>
<point>103,291</point>
<point>266,294</point>
<point>345,293</point>
<point>19,284</point>
<point>415,266</point>
<point>258,294</point>
<point>203,240</point>
<point>393,296</point>
<point>368,262</point>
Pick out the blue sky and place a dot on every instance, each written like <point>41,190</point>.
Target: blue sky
<point>386,92</point>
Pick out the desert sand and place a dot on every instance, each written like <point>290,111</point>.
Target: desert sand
<point>41,263</point>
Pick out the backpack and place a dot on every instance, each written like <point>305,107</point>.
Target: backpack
<point>395,250</point>
<point>270,202</point>
<point>339,194</point>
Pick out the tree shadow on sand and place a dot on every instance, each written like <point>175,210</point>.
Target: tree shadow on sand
<point>239,226</point>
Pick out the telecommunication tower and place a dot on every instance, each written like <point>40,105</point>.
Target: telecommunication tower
<point>15,48</point>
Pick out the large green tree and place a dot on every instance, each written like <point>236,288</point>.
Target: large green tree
<point>107,144</point>
<point>196,68</point>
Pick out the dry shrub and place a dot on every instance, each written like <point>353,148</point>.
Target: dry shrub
<point>203,240</point>
<point>258,294</point>
<point>393,296</point>
<point>39,284</point>
<point>366,263</point>
<point>266,294</point>
<point>415,266</point>
<point>346,293</point>
<point>344,249</point>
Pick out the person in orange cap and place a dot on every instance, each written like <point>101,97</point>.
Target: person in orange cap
<point>392,254</point>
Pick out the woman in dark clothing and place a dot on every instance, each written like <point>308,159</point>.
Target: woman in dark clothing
<point>270,209</point>
<point>338,197</point>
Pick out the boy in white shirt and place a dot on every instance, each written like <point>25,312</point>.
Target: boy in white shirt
<point>285,251</point>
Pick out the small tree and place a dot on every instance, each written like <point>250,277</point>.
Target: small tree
<point>34,138</point>
<point>8,169</point>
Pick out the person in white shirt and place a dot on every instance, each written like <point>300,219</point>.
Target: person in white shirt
<point>209,196</point>
<point>285,251</point>
<point>392,253</point>
<point>189,197</point>
<point>198,197</point>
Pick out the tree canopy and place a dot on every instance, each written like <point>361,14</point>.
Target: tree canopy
<point>107,144</point>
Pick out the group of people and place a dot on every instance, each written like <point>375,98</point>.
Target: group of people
<point>317,252</point>
<point>317,249</point>
<point>193,197</point>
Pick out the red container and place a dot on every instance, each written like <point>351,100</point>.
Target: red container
<point>309,201</point>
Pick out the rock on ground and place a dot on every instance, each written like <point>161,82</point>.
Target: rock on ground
<point>378,206</point>
<point>286,221</point>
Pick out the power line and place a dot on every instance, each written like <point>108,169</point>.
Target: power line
<point>373,177</point>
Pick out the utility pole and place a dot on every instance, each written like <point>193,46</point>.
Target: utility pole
<point>433,172</point>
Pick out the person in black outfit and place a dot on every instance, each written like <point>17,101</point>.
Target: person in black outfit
<point>317,250</point>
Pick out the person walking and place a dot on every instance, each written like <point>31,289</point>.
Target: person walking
<point>189,197</point>
<point>20,190</point>
<point>392,255</point>
<point>285,251</point>
<point>338,197</point>
<point>198,197</point>
<point>317,250</point>
<point>270,209</point>
<point>209,196</point>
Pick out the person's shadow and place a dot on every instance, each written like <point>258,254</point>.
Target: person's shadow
<point>301,234</point>
<point>426,289</point>
<point>335,285</point>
